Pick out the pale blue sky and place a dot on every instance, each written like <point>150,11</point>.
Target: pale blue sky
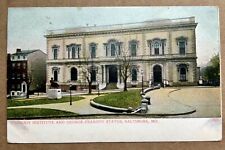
<point>27,26</point>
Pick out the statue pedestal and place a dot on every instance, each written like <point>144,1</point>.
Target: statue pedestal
<point>54,94</point>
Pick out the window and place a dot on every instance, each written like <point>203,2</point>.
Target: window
<point>12,57</point>
<point>133,48</point>
<point>73,52</point>
<point>68,49</point>
<point>134,74</point>
<point>24,75</point>
<point>78,51</point>
<point>13,75</point>
<point>182,47</point>
<point>156,48</point>
<point>13,65</point>
<point>113,49</point>
<point>24,57</point>
<point>73,74</point>
<point>18,76</point>
<point>93,48</point>
<point>93,52</point>
<point>24,65</point>
<point>55,50</point>
<point>55,53</point>
<point>182,70</point>
<point>182,43</point>
<point>18,86</point>
<point>18,56</point>
<point>55,73</point>
<point>18,65</point>
<point>182,74</point>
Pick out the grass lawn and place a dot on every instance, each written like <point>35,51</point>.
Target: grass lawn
<point>25,102</point>
<point>36,112</point>
<point>126,99</point>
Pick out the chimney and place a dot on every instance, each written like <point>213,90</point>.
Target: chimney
<point>18,50</point>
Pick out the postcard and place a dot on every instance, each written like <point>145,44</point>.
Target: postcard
<point>113,74</point>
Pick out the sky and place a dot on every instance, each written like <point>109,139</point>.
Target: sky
<point>27,26</point>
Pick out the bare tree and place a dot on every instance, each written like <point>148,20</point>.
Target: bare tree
<point>29,80</point>
<point>125,65</point>
<point>89,71</point>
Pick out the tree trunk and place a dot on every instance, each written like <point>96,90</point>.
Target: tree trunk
<point>125,85</point>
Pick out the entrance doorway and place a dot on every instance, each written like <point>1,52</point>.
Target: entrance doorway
<point>157,74</point>
<point>113,74</point>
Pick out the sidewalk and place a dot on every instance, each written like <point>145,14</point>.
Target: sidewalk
<point>173,102</point>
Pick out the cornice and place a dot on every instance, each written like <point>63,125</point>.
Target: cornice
<point>186,25</point>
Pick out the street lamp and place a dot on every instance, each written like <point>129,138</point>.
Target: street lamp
<point>98,87</point>
<point>38,89</point>
<point>70,95</point>
<point>142,72</point>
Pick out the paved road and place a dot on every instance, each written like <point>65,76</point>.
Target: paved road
<point>162,104</point>
<point>206,100</point>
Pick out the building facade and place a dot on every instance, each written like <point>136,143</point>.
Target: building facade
<point>26,68</point>
<point>160,52</point>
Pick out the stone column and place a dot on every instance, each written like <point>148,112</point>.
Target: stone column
<point>105,74</point>
<point>118,74</point>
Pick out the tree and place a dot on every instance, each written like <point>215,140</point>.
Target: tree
<point>29,80</point>
<point>88,71</point>
<point>125,65</point>
<point>212,71</point>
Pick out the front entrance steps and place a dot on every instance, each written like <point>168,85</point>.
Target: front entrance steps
<point>111,86</point>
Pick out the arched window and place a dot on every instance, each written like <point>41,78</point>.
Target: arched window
<point>182,70</point>
<point>113,49</point>
<point>55,73</point>
<point>182,74</point>
<point>73,52</point>
<point>73,74</point>
<point>134,74</point>
<point>156,48</point>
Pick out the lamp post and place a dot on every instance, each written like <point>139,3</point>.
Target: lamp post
<point>70,95</point>
<point>98,87</point>
<point>38,89</point>
<point>142,72</point>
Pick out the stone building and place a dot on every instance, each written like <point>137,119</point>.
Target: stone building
<point>26,67</point>
<point>161,51</point>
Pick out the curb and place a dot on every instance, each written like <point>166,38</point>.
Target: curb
<point>108,108</point>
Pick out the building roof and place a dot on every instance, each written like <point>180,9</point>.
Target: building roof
<point>128,26</point>
<point>25,52</point>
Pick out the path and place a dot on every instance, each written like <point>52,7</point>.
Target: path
<point>165,101</point>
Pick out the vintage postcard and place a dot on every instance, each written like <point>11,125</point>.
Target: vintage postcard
<point>113,74</point>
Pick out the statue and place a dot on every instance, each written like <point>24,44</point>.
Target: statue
<point>53,85</point>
